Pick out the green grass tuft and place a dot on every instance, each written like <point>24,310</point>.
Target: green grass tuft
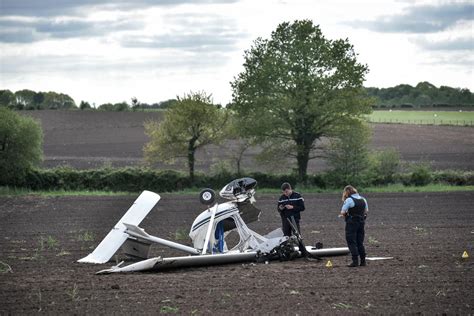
<point>168,310</point>
<point>86,236</point>
<point>5,267</point>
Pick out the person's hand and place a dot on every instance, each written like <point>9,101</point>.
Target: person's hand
<point>340,215</point>
<point>281,207</point>
<point>289,207</point>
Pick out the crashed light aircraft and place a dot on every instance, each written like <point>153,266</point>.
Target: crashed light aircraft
<point>208,233</point>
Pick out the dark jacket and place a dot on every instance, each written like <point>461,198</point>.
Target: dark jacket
<point>294,199</point>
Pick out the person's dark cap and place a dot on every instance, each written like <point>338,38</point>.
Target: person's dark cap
<point>285,186</point>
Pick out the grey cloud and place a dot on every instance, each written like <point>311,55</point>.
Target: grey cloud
<point>85,29</point>
<point>460,44</point>
<point>73,7</point>
<point>420,19</point>
<point>464,61</point>
<point>17,36</point>
<point>14,65</point>
<point>215,33</point>
<point>27,31</point>
<point>185,42</point>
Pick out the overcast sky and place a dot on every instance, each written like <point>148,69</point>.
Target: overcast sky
<point>113,50</point>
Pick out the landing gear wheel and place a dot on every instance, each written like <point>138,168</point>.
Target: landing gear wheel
<point>207,197</point>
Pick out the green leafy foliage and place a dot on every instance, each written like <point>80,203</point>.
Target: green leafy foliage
<point>118,107</point>
<point>348,155</point>
<point>30,100</point>
<point>189,124</point>
<point>385,164</point>
<point>420,175</point>
<point>21,141</point>
<point>139,179</point>
<point>296,88</point>
<point>84,105</point>
<point>424,94</point>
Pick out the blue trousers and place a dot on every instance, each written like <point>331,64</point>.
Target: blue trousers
<point>355,232</point>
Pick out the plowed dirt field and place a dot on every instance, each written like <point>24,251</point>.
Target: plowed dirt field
<point>91,139</point>
<point>41,239</point>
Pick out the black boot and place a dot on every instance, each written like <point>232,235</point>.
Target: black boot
<point>355,263</point>
<point>362,262</point>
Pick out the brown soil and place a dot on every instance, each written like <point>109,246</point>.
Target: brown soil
<point>90,139</point>
<point>425,233</point>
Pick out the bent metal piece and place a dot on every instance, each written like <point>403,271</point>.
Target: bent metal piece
<point>140,234</point>
<point>158,263</point>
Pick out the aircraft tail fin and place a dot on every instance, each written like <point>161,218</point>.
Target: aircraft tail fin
<point>117,236</point>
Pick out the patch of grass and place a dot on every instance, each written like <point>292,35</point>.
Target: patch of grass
<point>342,305</point>
<point>181,234</point>
<point>5,267</point>
<point>373,241</point>
<point>168,310</point>
<point>63,253</point>
<point>37,298</point>
<point>51,242</point>
<point>423,117</point>
<point>44,243</point>
<point>9,191</point>
<point>420,230</point>
<point>86,236</point>
<point>34,257</point>
<point>368,306</point>
<point>391,188</point>
<point>400,188</point>
<point>73,294</point>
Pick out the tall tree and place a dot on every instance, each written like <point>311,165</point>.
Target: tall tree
<point>7,98</point>
<point>348,155</point>
<point>240,145</point>
<point>297,87</point>
<point>24,99</point>
<point>135,103</point>
<point>84,105</point>
<point>189,124</point>
<point>21,140</point>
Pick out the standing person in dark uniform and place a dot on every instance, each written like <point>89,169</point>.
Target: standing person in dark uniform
<point>290,204</point>
<point>354,210</point>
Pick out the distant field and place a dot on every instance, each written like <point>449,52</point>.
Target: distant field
<point>424,117</point>
<point>93,139</point>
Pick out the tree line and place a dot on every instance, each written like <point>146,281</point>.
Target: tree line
<point>31,100</point>
<point>424,94</point>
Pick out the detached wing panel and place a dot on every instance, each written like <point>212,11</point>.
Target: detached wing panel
<point>117,236</point>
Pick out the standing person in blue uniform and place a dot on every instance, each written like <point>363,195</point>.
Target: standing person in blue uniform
<point>354,210</point>
<point>290,205</point>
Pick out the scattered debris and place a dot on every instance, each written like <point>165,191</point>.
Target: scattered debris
<point>378,258</point>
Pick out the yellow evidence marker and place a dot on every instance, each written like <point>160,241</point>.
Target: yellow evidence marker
<point>465,255</point>
<point>329,264</point>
